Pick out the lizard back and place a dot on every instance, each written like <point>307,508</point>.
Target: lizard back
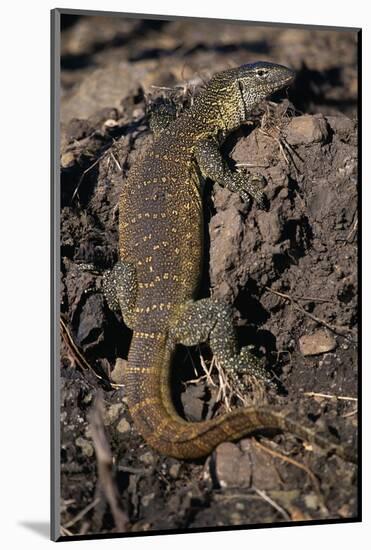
<point>161,231</point>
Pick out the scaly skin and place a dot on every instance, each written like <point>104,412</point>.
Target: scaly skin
<point>161,247</point>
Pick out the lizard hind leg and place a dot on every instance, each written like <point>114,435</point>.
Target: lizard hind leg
<point>120,289</point>
<point>211,320</point>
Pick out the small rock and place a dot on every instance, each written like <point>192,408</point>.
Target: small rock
<point>232,466</point>
<point>112,413</point>
<point>223,198</point>
<point>90,330</point>
<point>316,343</point>
<point>147,458</point>
<point>118,371</point>
<point>123,426</point>
<point>207,475</point>
<point>263,472</point>
<point>283,194</point>
<point>68,160</point>
<point>236,518</point>
<point>306,129</point>
<point>343,126</point>
<point>110,123</point>
<point>311,501</point>
<point>77,129</point>
<point>174,470</point>
<point>345,511</point>
<point>88,398</point>
<point>192,402</point>
<point>146,499</point>
<point>85,446</point>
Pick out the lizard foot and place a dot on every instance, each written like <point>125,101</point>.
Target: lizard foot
<point>250,185</point>
<point>120,287</point>
<point>248,363</point>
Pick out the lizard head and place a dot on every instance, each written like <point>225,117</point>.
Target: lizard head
<point>259,80</point>
<point>235,92</point>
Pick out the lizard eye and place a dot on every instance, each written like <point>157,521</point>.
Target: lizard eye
<point>261,73</point>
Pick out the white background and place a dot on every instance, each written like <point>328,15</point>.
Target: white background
<point>24,234</point>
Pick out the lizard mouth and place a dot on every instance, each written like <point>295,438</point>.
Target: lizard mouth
<point>242,92</point>
<point>288,80</point>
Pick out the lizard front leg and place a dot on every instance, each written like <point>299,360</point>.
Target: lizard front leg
<point>213,166</point>
<point>120,289</point>
<point>211,320</point>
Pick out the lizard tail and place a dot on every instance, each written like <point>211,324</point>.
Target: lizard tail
<point>147,385</point>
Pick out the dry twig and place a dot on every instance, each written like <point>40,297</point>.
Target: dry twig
<point>350,413</point>
<point>81,514</point>
<point>341,331</point>
<point>87,170</point>
<point>78,356</point>
<point>217,377</point>
<point>73,349</point>
<point>104,466</point>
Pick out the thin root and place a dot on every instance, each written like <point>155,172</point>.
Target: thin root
<point>284,458</point>
<point>341,331</point>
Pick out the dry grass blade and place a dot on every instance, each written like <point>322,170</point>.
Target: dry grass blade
<point>273,121</point>
<point>228,393</point>
<point>353,231</point>
<point>350,413</point>
<point>116,162</point>
<point>329,396</point>
<point>250,165</point>
<point>65,532</point>
<point>81,514</point>
<point>208,371</point>
<point>273,503</point>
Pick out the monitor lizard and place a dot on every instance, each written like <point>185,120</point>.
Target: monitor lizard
<point>155,282</point>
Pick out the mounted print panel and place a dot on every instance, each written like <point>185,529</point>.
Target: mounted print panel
<point>205,229</point>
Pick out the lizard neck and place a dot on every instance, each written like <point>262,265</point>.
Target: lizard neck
<point>211,115</point>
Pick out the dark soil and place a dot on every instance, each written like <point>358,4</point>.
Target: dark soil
<point>290,273</point>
